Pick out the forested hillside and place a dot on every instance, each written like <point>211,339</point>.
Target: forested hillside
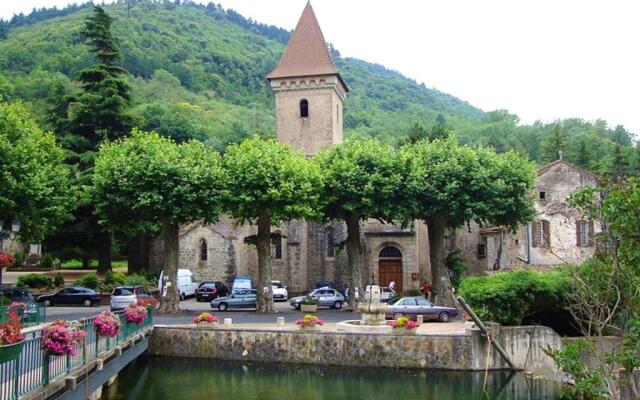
<point>198,72</point>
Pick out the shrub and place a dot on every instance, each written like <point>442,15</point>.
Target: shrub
<point>35,281</point>
<point>89,280</point>
<point>136,279</point>
<point>47,261</point>
<point>18,260</point>
<point>58,280</point>
<point>509,297</point>
<point>114,278</point>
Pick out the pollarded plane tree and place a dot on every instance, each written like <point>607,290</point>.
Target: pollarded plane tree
<point>269,183</point>
<point>149,184</point>
<point>448,185</point>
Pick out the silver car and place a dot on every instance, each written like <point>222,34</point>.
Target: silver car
<point>326,298</point>
<point>414,306</point>
<point>244,298</point>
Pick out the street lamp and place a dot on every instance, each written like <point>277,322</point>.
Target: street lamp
<point>11,234</point>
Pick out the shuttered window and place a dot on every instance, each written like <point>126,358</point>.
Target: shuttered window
<point>584,233</point>
<point>541,233</point>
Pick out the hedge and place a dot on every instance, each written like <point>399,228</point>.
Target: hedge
<point>509,297</point>
<point>35,281</point>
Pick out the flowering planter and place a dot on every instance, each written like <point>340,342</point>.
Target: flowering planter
<point>313,328</point>
<point>10,352</point>
<point>308,307</point>
<point>404,331</point>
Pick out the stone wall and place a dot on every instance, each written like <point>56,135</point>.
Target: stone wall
<point>456,352</point>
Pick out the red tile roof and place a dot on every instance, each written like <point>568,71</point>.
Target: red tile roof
<point>306,53</point>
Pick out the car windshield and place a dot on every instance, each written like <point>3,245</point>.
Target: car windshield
<point>122,292</point>
<point>277,285</point>
<point>208,285</point>
<point>394,301</point>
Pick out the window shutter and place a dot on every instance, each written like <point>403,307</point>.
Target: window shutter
<point>547,233</point>
<point>591,232</point>
<point>535,226</point>
<point>578,233</point>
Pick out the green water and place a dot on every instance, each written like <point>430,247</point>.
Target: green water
<point>164,378</point>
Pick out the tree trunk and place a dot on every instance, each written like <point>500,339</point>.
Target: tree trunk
<point>441,293</point>
<point>86,262</point>
<point>138,254</point>
<point>263,243</point>
<point>104,252</point>
<point>353,254</point>
<point>169,303</point>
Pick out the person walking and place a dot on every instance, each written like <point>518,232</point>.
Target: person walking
<point>426,289</point>
<point>392,286</point>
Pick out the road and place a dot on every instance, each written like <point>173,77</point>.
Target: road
<point>192,308</point>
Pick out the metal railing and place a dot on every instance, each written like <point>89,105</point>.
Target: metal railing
<point>34,369</point>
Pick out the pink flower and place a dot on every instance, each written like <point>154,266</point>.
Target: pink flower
<point>135,314</point>
<point>107,324</point>
<point>60,340</point>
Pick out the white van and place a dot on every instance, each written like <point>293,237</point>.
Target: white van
<point>186,283</point>
<point>242,282</point>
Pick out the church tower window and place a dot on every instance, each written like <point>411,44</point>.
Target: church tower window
<point>304,108</point>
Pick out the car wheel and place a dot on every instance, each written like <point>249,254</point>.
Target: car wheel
<point>86,303</point>
<point>443,317</point>
<point>198,299</point>
<point>223,306</point>
<point>182,296</point>
<point>398,315</point>
<point>337,305</point>
<point>48,303</point>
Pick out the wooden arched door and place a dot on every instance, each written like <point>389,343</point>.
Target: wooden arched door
<point>390,267</point>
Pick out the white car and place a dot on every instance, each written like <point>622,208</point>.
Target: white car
<point>279,291</point>
<point>123,296</point>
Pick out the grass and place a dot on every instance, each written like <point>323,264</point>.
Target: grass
<point>93,264</point>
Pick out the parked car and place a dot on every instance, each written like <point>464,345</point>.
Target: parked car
<point>123,296</point>
<point>210,290</point>
<point>245,298</point>
<point>186,283</point>
<point>414,306</point>
<point>386,294</point>
<point>242,282</point>
<point>71,295</point>
<point>21,295</point>
<point>326,298</point>
<point>279,291</point>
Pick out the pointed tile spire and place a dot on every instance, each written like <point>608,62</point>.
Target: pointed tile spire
<point>306,53</point>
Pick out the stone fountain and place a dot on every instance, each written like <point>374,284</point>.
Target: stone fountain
<point>372,311</point>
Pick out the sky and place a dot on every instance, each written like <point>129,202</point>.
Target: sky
<point>539,59</point>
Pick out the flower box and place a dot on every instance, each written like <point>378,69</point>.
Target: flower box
<point>205,324</point>
<point>10,352</point>
<point>308,307</point>
<point>404,331</point>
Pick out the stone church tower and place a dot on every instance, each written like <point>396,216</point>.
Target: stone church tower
<point>308,89</point>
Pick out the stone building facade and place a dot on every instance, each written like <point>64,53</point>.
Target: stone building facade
<point>309,95</point>
<point>557,235</point>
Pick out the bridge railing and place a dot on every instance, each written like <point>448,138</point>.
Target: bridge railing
<point>34,369</point>
<point>34,314</point>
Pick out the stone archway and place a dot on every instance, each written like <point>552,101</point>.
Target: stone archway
<point>390,267</point>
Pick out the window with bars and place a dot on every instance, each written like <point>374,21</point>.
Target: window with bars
<point>541,233</point>
<point>584,233</point>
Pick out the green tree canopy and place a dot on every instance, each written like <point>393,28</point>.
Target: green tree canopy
<point>268,183</point>
<point>148,183</point>
<point>448,185</point>
<point>555,144</point>
<point>34,181</point>
<point>362,180</point>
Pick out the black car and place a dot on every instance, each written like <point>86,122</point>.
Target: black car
<point>210,290</point>
<point>71,295</point>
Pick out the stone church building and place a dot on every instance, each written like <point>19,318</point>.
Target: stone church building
<point>309,97</point>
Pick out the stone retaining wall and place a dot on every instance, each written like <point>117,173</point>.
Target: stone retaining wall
<point>455,352</point>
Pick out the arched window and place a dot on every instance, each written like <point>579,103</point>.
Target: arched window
<point>203,250</point>
<point>390,252</point>
<point>304,108</point>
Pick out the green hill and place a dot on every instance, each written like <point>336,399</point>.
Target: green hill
<point>198,72</point>
<point>201,68</point>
